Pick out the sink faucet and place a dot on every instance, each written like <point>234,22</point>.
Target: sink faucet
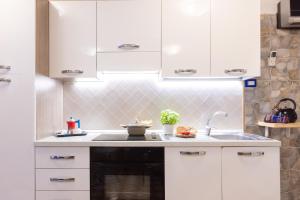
<point>207,127</point>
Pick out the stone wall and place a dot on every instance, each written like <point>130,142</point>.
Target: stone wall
<point>274,84</point>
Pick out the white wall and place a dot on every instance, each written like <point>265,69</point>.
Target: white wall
<point>269,6</point>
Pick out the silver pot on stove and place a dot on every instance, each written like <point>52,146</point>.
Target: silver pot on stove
<point>136,129</point>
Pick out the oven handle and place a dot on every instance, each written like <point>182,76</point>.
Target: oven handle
<point>108,167</point>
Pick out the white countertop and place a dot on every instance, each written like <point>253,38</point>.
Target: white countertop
<point>200,140</point>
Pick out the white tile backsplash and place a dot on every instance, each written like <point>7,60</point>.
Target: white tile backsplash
<point>49,106</point>
<point>108,104</point>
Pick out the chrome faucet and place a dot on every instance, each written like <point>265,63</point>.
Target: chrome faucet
<point>208,127</point>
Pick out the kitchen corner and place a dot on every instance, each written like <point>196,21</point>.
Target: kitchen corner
<point>150,99</point>
<point>149,65</point>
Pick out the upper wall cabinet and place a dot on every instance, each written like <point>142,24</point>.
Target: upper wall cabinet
<point>235,38</point>
<point>73,39</point>
<point>186,38</point>
<point>129,35</point>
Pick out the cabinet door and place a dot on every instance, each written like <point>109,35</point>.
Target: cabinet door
<point>62,195</point>
<point>129,35</point>
<point>235,38</point>
<point>62,157</point>
<point>17,109</point>
<point>129,25</point>
<point>250,173</point>
<point>73,39</point>
<point>16,36</point>
<point>129,62</point>
<point>62,179</point>
<point>186,38</point>
<point>193,173</point>
<point>17,133</point>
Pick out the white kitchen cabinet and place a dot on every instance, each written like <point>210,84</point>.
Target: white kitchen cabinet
<point>235,38</point>
<point>73,39</point>
<point>62,179</point>
<point>16,37</point>
<point>129,35</point>
<point>250,173</point>
<point>62,195</point>
<point>17,108</point>
<point>186,38</point>
<point>62,173</point>
<point>17,134</point>
<point>62,157</point>
<point>129,62</point>
<point>193,173</point>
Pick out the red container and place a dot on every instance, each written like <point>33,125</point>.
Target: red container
<point>71,125</point>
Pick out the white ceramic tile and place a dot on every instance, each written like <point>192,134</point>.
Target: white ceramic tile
<point>49,106</point>
<point>109,104</point>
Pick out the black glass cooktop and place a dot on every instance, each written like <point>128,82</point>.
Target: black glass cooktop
<point>126,137</point>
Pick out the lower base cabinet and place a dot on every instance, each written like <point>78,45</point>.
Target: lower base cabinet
<point>193,173</point>
<point>63,179</point>
<point>62,195</point>
<point>227,173</point>
<point>251,173</point>
<point>62,173</point>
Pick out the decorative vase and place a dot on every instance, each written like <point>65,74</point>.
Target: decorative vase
<point>168,129</point>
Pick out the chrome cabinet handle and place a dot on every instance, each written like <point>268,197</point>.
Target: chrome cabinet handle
<point>5,80</point>
<point>251,154</point>
<point>5,67</point>
<point>185,71</point>
<point>129,46</point>
<point>193,153</point>
<point>235,72</point>
<point>62,157</point>
<point>69,71</point>
<point>62,179</point>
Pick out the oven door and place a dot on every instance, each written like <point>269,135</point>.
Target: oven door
<point>127,181</point>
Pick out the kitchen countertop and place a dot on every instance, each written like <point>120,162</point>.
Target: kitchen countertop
<point>200,140</point>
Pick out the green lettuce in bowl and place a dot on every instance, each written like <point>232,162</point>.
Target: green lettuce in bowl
<point>169,117</point>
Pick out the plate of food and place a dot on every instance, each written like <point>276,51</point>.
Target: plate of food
<point>186,132</point>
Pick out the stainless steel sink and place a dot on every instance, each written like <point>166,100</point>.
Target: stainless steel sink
<point>238,137</point>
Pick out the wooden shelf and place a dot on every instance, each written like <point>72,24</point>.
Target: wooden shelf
<point>279,125</point>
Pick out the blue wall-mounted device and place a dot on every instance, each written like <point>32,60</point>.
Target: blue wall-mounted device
<point>250,83</point>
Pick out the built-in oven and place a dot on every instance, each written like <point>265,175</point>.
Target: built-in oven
<point>127,173</point>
